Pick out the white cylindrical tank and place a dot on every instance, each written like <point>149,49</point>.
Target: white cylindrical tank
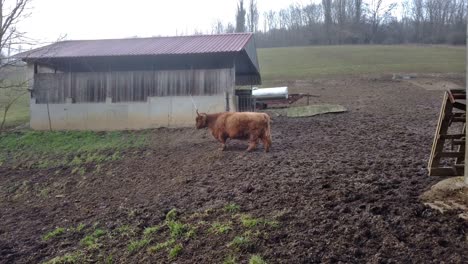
<point>270,93</point>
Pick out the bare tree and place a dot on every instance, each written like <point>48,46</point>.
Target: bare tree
<point>253,16</point>
<point>218,27</point>
<point>312,14</point>
<point>340,14</point>
<point>418,18</point>
<point>370,21</point>
<point>355,17</point>
<point>357,11</point>
<point>230,28</point>
<point>377,11</point>
<point>327,11</point>
<point>271,20</point>
<point>284,19</point>
<point>296,16</point>
<point>13,85</point>
<point>240,17</point>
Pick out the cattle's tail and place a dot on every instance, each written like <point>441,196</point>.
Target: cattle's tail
<point>267,134</point>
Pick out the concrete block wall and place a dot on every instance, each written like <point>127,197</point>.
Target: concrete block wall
<point>171,111</point>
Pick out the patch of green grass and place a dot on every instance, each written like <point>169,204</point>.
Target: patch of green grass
<point>55,233</point>
<point>151,230</point>
<point>176,228</point>
<point>109,259</point>
<point>18,114</point>
<point>137,245</point>
<point>191,233</point>
<point>317,61</point>
<point>209,211</point>
<point>66,259</point>
<point>171,215</point>
<point>250,234</point>
<point>126,230</point>
<point>232,208</point>
<point>219,228</point>
<point>21,188</point>
<point>78,170</point>
<point>240,243</point>
<point>271,223</point>
<point>44,164</point>
<point>230,260</point>
<point>132,213</point>
<point>256,259</point>
<point>46,149</point>
<point>91,241</point>
<point>123,229</point>
<point>160,246</point>
<point>175,251</point>
<point>249,222</point>
<point>70,141</point>
<point>44,192</point>
<point>80,227</point>
<point>99,233</point>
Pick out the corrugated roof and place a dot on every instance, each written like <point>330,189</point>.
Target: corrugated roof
<point>142,46</point>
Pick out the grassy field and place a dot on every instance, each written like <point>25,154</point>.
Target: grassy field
<point>44,149</point>
<point>317,61</point>
<point>320,61</point>
<point>18,113</point>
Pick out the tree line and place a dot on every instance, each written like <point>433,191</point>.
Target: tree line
<point>334,22</point>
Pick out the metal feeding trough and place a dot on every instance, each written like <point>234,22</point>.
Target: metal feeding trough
<point>277,93</point>
<point>276,96</point>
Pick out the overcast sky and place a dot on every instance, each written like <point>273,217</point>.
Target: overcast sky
<point>97,19</point>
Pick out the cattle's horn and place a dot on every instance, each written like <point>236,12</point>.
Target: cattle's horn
<point>198,113</point>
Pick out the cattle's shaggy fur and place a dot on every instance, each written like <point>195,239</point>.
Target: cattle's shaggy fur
<point>235,125</point>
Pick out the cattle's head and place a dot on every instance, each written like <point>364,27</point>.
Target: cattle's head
<point>201,121</point>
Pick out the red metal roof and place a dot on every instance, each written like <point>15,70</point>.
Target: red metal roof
<point>142,46</point>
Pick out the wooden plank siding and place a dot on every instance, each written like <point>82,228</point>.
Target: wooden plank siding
<point>130,86</point>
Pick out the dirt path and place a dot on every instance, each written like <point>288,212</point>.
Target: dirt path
<point>343,188</point>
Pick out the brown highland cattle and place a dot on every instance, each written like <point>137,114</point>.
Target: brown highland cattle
<point>237,125</point>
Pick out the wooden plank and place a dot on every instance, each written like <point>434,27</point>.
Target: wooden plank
<point>458,91</point>
<point>459,114</point>
<point>450,96</point>
<point>131,86</point>
<point>446,171</point>
<point>458,142</point>
<point>450,154</point>
<point>459,95</point>
<point>461,148</point>
<point>459,105</point>
<point>446,117</point>
<point>453,136</point>
<point>458,120</point>
<point>442,127</point>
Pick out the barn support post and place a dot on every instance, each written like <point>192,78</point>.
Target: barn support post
<point>70,97</point>
<point>226,94</point>
<point>109,85</point>
<point>466,83</point>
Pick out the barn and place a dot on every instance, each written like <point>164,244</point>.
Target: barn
<point>137,83</point>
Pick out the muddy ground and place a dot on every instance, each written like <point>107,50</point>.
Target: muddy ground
<point>341,187</point>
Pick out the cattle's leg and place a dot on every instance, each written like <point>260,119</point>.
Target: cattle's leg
<point>266,142</point>
<point>252,142</point>
<point>222,139</point>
